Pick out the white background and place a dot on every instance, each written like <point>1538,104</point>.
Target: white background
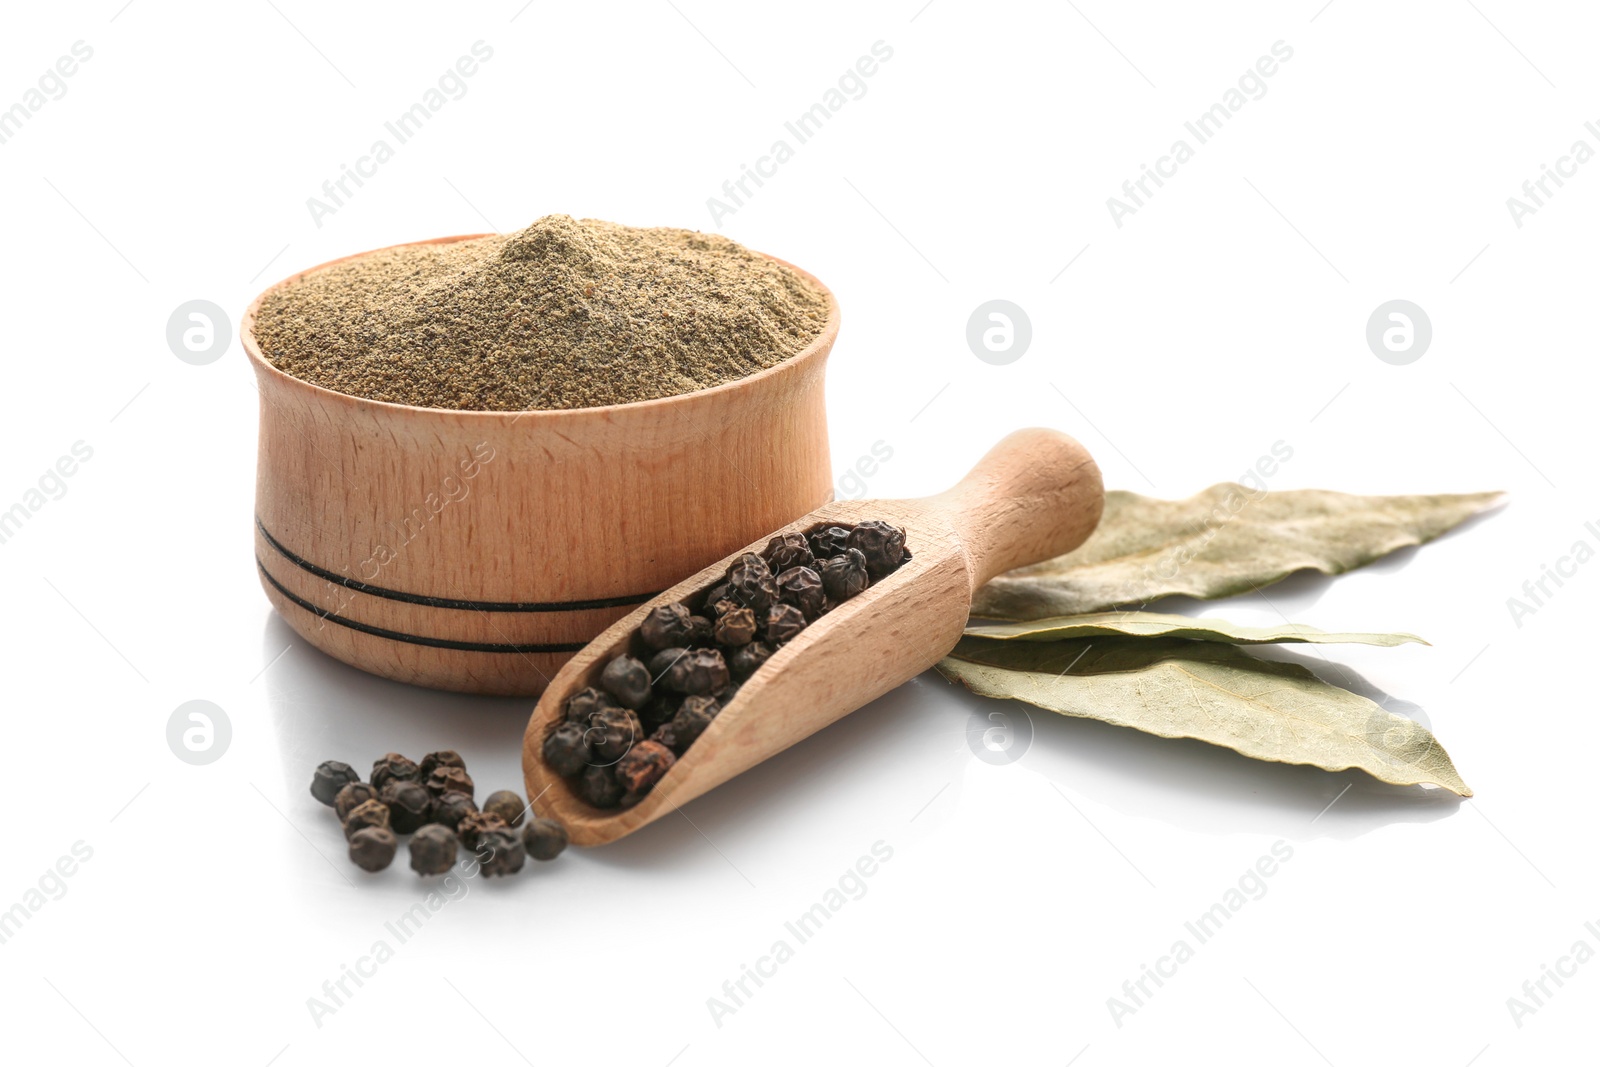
<point>1226,315</point>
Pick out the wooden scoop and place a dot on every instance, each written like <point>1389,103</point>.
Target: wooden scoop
<point>1037,494</point>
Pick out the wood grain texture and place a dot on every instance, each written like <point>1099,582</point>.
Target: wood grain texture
<point>528,508</point>
<point>1036,495</point>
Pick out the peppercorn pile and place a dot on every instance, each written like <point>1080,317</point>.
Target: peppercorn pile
<point>433,802</point>
<point>688,660</point>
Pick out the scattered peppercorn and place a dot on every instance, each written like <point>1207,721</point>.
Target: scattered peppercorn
<point>365,814</point>
<point>449,809</point>
<point>433,850</point>
<point>845,575</point>
<point>443,758</point>
<point>450,780</point>
<point>392,765</point>
<point>372,848</point>
<point>351,797</point>
<point>507,805</point>
<point>500,852</point>
<point>409,805</point>
<point>544,839</point>
<point>431,800</point>
<point>330,777</point>
<point>473,825</point>
<point>666,626</point>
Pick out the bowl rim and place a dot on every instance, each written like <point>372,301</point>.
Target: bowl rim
<point>817,349</point>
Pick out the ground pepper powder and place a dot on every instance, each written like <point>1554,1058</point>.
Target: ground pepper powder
<point>567,313</point>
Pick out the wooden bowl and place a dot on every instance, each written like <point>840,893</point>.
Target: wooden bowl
<point>476,551</point>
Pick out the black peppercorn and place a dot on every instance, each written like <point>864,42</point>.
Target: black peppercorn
<point>583,704</point>
<point>692,720</point>
<point>802,587</point>
<point>433,850</point>
<point>699,630</point>
<point>742,662</point>
<point>666,736</point>
<point>718,608</point>
<point>701,672</point>
<point>566,749</point>
<point>882,545</point>
<point>661,662</point>
<point>372,848</point>
<point>613,732</point>
<point>784,623</point>
<point>721,591</point>
<point>750,583</point>
<point>330,777</point>
<point>409,804</point>
<point>666,626</point>
<point>627,680</point>
<point>845,575</point>
<point>788,550</point>
<point>507,805</point>
<point>351,797</point>
<point>830,541</point>
<point>544,839</point>
<point>443,758</point>
<point>737,627</point>
<point>368,813</point>
<point>500,852</point>
<point>451,808</point>
<point>661,708</point>
<point>472,827</point>
<point>598,786</point>
<point>449,780</point>
<point>392,765</point>
<point>643,767</point>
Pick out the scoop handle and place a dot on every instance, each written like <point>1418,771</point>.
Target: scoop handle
<point>1035,495</point>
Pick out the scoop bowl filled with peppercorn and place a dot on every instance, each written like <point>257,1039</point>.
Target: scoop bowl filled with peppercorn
<point>794,632</point>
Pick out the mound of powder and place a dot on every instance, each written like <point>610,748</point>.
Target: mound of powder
<point>564,314</point>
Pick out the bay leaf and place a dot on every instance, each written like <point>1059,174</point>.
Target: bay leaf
<point>1208,691</point>
<point>1156,624</point>
<point>1225,540</point>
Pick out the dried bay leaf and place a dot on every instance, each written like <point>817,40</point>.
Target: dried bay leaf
<point>1208,691</point>
<point>1156,624</point>
<point>1225,540</point>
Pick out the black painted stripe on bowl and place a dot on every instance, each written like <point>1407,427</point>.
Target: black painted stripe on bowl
<point>447,602</point>
<point>413,639</point>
